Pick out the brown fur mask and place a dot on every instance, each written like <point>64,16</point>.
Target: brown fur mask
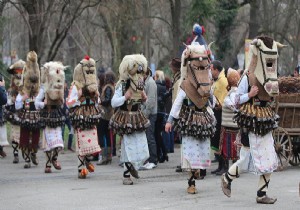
<point>85,77</point>
<point>31,76</point>
<point>16,75</point>
<point>53,78</point>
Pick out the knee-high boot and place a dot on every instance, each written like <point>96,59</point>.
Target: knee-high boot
<point>54,161</point>
<point>15,146</point>
<point>192,183</point>
<point>48,161</point>
<point>26,157</point>
<point>262,191</point>
<point>82,171</point>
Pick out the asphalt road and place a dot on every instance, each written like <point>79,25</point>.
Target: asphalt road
<point>160,188</point>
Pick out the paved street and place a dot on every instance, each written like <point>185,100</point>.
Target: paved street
<point>161,188</point>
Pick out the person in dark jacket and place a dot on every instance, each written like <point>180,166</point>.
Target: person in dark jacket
<point>104,138</point>
<point>3,101</point>
<point>161,115</point>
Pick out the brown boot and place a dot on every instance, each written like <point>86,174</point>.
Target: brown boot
<point>192,188</point>
<point>265,200</point>
<point>127,181</point>
<point>48,170</point>
<point>226,187</point>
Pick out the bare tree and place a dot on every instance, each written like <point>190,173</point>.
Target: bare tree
<point>41,15</point>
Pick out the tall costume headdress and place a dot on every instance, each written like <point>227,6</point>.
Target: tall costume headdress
<point>129,117</point>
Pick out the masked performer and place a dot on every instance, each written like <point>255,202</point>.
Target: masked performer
<point>85,113</point>
<point>256,118</point>
<point>192,112</point>
<point>50,102</point>
<point>29,117</point>
<point>128,121</point>
<point>11,114</point>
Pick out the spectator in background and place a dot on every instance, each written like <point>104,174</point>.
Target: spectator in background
<point>3,101</point>
<point>149,109</point>
<point>219,91</point>
<point>175,65</point>
<point>161,116</point>
<point>296,71</point>
<point>104,138</point>
<point>168,138</point>
<point>67,122</point>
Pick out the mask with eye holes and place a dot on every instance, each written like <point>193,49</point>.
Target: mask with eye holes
<point>85,77</point>
<point>133,69</point>
<point>195,69</point>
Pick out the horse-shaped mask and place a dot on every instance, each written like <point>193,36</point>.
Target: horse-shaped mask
<point>53,78</point>
<point>195,73</point>
<point>133,69</point>
<point>264,64</point>
<point>85,77</point>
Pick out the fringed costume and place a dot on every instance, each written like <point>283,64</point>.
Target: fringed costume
<point>191,112</point>
<point>50,103</point>
<point>29,117</point>
<point>257,119</point>
<point>128,121</point>
<point>85,113</point>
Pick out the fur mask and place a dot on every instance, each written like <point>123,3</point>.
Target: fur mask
<point>53,78</point>
<point>134,68</point>
<point>31,75</point>
<point>16,75</point>
<point>85,77</point>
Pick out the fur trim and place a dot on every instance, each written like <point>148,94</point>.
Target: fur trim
<point>18,65</point>
<point>129,62</point>
<point>53,78</point>
<point>31,75</point>
<point>85,77</point>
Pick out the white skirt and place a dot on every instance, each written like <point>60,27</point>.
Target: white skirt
<point>3,136</point>
<point>263,153</point>
<point>134,149</point>
<point>195,154</point>
<point>52,138</point>
<point>87,141</point>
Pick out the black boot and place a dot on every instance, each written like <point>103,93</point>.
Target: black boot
<point>70,140</point>
<point>224,168</point>
<point>218,157</point>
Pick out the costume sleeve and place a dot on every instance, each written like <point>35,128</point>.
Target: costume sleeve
<point>19,102</point>
<point>243,90</point>
<point>231,100</point>
<point>72,99</point>
<point>176,107</point>
<point>3,96</point>
<point>151,102</point>
<point>118,99</point>
<point>39,100</point>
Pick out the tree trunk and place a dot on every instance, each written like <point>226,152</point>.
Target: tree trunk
<point>254,19</point>
<point>175,12</point>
